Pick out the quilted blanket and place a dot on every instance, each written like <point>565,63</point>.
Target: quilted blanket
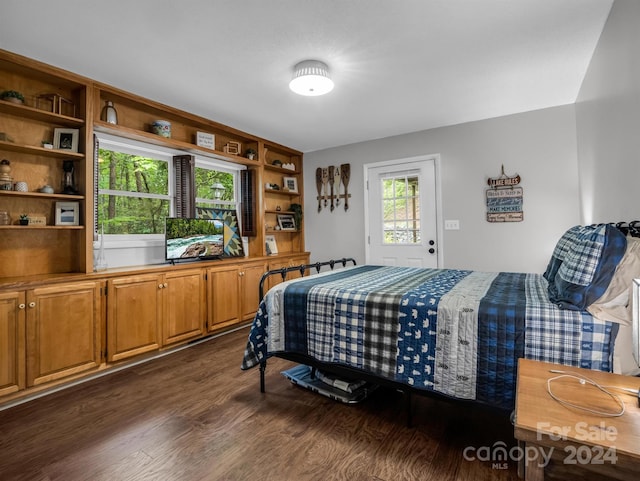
<point>456,332</point>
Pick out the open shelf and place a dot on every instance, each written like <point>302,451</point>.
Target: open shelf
<point>41,195</point>
<point>39,114</point>
<point>32,149</point>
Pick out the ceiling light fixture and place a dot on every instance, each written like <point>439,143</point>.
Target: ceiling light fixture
<point>311,78</point>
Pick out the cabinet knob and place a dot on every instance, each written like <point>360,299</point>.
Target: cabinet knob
<point>32,304</point>
<point>165,285</point>
<point>21,306</point>
<point>160,286</point>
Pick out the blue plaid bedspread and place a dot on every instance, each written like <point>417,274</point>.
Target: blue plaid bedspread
<point>459,333</point>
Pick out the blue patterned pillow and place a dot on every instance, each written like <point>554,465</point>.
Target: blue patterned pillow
<point>588,266</point>
<point>560,252</point>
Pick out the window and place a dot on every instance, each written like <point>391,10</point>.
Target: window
<point>401,210</point>
<point>215,185</point>
<point>134,188</point>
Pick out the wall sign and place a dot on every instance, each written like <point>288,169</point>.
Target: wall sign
<point>504,199</point>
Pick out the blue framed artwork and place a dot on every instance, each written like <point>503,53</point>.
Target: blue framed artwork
<point>231,237</point>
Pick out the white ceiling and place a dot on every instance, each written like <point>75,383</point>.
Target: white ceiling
<point>399,66</point>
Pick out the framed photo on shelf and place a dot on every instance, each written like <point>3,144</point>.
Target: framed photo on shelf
<point>271,245</point>
<point>286,222</point>
<point>290,184</point>
<point>66,139</point>
<point>67,213</point>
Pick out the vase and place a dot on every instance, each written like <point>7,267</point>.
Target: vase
<point>109,113</point>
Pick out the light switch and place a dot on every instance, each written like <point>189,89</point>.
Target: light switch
<point>452,224</point>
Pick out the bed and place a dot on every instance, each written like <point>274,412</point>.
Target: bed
<point>457,333</point>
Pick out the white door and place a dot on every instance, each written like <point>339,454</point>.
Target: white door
<point>401,213</point>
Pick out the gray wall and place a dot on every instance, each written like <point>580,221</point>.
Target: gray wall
<point>608,121</point>
<point>540,146</point>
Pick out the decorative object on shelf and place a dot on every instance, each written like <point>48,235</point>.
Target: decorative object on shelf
<point>46,189</point>
<point>66,139</point>
<point>290,184</point>
<point>37,219</point>
<point>297,214</point>
<point>47,144</point>
<point>251,154</point>
<point>332,184</point>
<point>286,222</point>
<point>68,178</point>
<point>161,128</point>
<point>109,113</point>
<point>504,199</point>
<point>21,187</point>
<point>233,148</point>
<point>24,219</point>
<point>67,213</point>
<point>5,137</point>
<point>271,245</point>
<point>206,140</point>
<point>12,96</point>
<point>311,78</point>
<point>278,208</point>
<point>6,181</point>
<point>271,186</point>
<point>289,166</point>
<point>56,104</point>
<point>5,218</point>
<point>100,260</point>
<point>277,163</point>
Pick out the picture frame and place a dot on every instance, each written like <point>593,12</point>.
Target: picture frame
<point>287,222</point>
<point>67,213</point>
<point>66,139</point>
<point>271,245</point>
<point>232,240</point>
<point>290,184</point>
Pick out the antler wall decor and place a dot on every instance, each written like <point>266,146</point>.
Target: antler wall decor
<point>332,184</point>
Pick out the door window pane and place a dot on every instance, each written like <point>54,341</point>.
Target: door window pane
<point>401,210</point>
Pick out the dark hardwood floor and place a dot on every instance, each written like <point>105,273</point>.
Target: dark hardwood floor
<point>194,415</point>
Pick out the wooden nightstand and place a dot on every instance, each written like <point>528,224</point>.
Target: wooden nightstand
<point>547,429</point>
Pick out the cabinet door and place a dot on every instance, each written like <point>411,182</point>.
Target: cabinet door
<point>250,288</point>
<point>134,310</point>
<point>63,335</point>
<point>12,355</point>
<point>185,306</point>
<point>223,297</point>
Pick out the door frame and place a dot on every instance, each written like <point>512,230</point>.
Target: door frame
<point>438,196</point>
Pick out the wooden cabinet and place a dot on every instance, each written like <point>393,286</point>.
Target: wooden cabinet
<point>233,293</point>
<point>134,310</point>
<point>185,300</point>
<point>12,342</point>
<point>53,99</point>
<point>63,331</point>
<point>146,312</point>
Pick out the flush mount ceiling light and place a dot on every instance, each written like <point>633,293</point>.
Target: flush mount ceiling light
<point>311,78</point>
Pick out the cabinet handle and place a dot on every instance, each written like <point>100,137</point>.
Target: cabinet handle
<point>32,304</point>
<point>21,306</point>
<point>165,285</point>
<point>160,286</point>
